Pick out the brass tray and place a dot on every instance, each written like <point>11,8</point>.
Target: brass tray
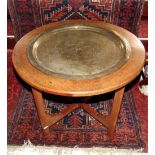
<point>78,51</point>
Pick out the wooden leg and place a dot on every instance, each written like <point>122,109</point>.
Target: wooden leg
<point>115,111</point>
<point>107,120</point>
<point>46,119</point>
<point>110,120</point>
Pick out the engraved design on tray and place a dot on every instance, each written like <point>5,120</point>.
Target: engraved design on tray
<point>78,51</point>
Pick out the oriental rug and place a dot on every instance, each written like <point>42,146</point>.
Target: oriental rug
<point>78,129</point>
<point>30,14</point>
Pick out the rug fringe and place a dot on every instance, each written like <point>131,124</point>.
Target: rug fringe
<point>29,148</point>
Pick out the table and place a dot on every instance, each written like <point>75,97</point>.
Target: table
<point>78,58</point>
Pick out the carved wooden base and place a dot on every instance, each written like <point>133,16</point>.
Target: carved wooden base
<point>108,121</point>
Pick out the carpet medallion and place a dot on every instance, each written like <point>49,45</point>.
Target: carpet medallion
<point>76,129</point>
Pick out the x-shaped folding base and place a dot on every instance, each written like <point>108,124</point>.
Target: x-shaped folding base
<point>109,121</point>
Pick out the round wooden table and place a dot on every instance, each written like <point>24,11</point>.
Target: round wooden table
<point>78,58</point>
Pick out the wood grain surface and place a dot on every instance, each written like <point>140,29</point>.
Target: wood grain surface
<point>86,87</point>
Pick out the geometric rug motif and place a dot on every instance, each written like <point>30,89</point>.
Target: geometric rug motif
<point>76,129</point>
<point>30,14</point>
<point>75,9</point>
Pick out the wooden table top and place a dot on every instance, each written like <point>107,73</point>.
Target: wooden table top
<point>78,58</point>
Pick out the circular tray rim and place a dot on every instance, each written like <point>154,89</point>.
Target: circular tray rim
<point>90,27</point>
<point>77,88</point>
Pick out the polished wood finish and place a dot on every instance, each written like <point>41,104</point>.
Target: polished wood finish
<point>49,120</point>
<point>114,81</point>
<point>87,87</point>
<point>109,120</point>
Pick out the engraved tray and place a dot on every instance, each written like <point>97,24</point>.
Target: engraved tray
<point>78,51</point>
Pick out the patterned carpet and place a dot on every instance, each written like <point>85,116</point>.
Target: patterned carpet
<point>29,14</point>
<point>78,128</point>
<point>143,28</point>
<point>9,27</point>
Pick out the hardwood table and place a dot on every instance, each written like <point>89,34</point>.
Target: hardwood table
<point>78,58</point>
